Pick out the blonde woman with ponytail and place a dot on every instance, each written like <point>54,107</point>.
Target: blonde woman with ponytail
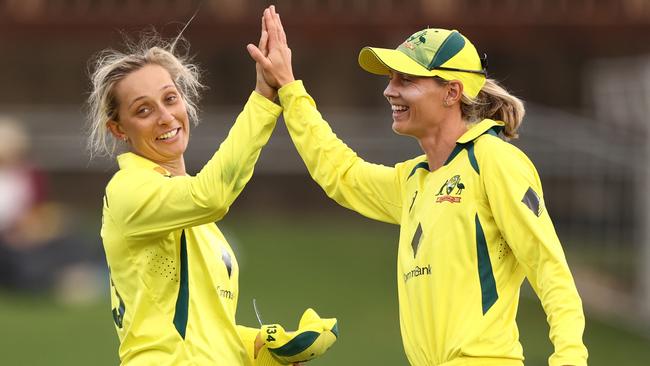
<point>471,209</point>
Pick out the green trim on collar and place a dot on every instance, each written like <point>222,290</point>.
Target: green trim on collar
<point>478,129</point>
<point>466,142</point>
<point>457,149</point>
<point>422,164</point>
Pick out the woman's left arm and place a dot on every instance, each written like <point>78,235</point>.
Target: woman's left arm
<point>148,204</point>
<point>515,196</point>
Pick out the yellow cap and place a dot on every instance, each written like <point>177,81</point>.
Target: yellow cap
<point>430,52</point>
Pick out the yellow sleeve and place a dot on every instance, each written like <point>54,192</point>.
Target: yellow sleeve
<point>372,190</point>
<point>248,336</point>
<point>147,203</point>
<point>515,196</point>
<point>264,357</point>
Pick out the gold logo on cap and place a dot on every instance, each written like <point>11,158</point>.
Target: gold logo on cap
<point>409,45</point>
<point>415,40</point>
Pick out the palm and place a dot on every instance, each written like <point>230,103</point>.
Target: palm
<point>273,56</point>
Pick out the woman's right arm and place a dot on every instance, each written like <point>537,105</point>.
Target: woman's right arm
<point>372,190</point>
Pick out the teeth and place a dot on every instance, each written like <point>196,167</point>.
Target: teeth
<point>168,135</point>
<point>399,107</point>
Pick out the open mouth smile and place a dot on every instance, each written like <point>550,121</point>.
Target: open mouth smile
<point>168,135</point>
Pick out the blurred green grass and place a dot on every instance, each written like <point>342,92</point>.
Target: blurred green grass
<point>342,266</point>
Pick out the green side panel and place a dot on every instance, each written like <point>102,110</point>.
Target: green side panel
<point>452,45</point>
<point>183,300</point>
<point>488,284</point>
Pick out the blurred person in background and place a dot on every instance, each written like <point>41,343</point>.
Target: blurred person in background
<point>173,275</point>
<point>472,219</point>
<point>38,250</point>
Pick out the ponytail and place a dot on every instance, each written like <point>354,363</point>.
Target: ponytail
<point>494,102</point>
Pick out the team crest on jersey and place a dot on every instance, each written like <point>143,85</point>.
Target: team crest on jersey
<point>451,190</point>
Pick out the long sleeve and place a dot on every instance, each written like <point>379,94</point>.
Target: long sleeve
<point>372,190</point>
<point>147,203</point>
<point>264,357</point>
<point>515,196</point>
<point>248,336</point>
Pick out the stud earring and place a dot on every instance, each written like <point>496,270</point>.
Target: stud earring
<point>125,138</point>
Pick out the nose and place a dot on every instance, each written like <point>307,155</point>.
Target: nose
<point>391,89</point>
<point>166,116</point>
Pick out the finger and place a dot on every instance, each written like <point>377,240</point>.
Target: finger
<point>264,38</point>
<point>282,34</point>
<point>264,43</point>
<point>264,20</point>
<point>257,55</point>
<point>276,24</point>
<point>271,28</point>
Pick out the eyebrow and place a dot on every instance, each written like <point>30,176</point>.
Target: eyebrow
<point>144,96</point>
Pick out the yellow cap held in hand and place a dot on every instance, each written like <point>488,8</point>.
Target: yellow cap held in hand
<point>312,339</point>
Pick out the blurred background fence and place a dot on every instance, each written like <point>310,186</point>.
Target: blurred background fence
<point>583,68</point>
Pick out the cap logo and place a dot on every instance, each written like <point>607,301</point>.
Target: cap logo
<point>415,40</point>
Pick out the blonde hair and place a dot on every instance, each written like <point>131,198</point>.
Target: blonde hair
<point>110,66</point>
<point>494,102</point>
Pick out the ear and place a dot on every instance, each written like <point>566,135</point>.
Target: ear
<point>454,91</point>
<point>116,130</point>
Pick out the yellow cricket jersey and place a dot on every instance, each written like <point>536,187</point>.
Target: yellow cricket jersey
<point>174,278</point>
<point>470,232</point>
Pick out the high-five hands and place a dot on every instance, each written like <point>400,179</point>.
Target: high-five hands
<point>273,54</point>
<point>261,86</point>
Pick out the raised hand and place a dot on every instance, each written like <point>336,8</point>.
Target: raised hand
<point>261,85</point>
<point>276,62</point>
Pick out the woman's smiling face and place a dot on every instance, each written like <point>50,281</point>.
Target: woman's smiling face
<point>151,115</point>
<point>415,102</point>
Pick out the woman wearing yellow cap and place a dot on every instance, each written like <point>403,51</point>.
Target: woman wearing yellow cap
<point>471,212</point>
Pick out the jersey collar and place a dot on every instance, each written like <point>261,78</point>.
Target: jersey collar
<point>465,141</point>
<point>131,160</point>
<point>480,128</point>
